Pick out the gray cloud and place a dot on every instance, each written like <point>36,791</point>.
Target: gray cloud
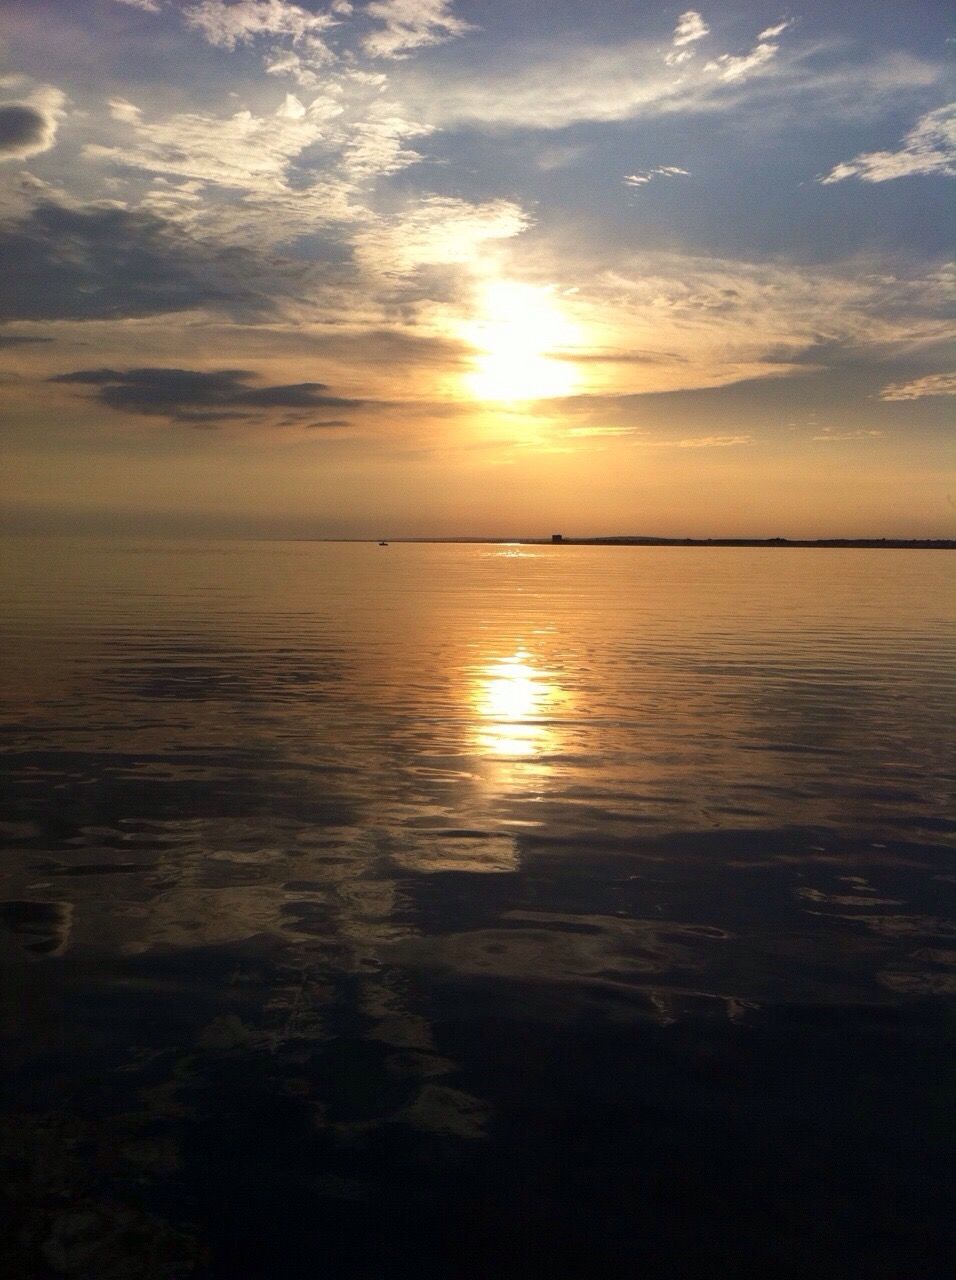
<point>391,347</point>
<point>19,339</point>
<point>29,127</point>
<point>203,398</point>
<point>99,262</point>
<point>22,129</point>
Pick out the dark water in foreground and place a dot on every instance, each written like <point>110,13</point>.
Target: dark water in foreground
<point>475,911</point>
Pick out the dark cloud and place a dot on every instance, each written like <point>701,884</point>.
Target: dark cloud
<point>24,130</point>
<point>203,398</point>
<point>99,262</point>
<point>20,127</point>
<point>621,357</point>
<point>19,339</point>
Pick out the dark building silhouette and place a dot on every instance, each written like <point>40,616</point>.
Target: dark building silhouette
<point>557,537</point>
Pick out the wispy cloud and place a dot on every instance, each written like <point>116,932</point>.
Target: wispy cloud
<point>699,322</point>
<point>643,176</point>
<point>778,29</point>
<point>702,442</point>
<point>245,21</point>
<point>411,24</point>
<point>928,148</point>
<point>934,384</point>
<point>241,151</point>
<point>376,146</point>
<point>553,87</point>
<point>729,66</point>
<point>829,435</point>
<point>438,231</point>
<point>598,431</point>
<point>252,172</point>
<point>551,90</point>
<point>690,28</point>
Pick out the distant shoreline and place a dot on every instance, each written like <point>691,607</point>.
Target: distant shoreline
<point>892,544</point>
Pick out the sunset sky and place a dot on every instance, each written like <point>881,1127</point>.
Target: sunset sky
<point>476,267</point>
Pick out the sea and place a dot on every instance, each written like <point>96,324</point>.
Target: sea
<point>459,910</point>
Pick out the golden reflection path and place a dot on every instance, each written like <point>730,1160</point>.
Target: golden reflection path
<point>515,702</point>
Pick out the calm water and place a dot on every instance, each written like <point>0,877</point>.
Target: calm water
<point>475,910</point>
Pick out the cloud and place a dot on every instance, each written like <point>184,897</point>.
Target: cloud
<point>238,178</point>
<point>28,127</point>
<point>268,178</point>
<point>703,322</point>
<point>550,90</point>
<point>620,357</point>
<point>22,130</point>
<point>306,72</point>
<point>554,87</point>
<point>701,442</point>
<point>292,38</point>
<point>934,384</point>
<point>151,6</point>
<point>599,431</point>
<point>438,231</point>
<point>411,24</point>
<point>644,176</point>
<point>736,66</point>
<point>243,150</point>
<point>246,21</point>
<point>124,112</point>
<point>557,157</point>
<point>690,28</point>
<point>929,147</point>
<point>376,146</point>
<point>768,33</point>
<point>97,262</point>
<point>202,397</point>
<point>383,350</point>
<point>19,339</point>
<point>828,435</point>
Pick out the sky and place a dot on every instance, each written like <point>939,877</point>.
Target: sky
<point>477,268</point>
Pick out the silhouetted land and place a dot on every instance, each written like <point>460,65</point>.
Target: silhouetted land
<point>917,544</point>
<point>923,544</point>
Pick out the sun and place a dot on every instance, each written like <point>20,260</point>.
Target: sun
<point>519,329</point>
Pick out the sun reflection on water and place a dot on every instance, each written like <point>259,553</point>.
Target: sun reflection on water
<point>514,705</point>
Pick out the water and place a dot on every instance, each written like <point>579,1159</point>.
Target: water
<point>475,910</point>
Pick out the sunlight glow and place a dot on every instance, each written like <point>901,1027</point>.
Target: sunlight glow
<point>513,699</point>
<point>519,329</point>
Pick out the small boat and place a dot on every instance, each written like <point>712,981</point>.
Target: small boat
<point>383,543</point>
